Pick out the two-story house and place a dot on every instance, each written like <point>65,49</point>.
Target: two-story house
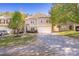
<point>38,22</point>
<point>4,22</point>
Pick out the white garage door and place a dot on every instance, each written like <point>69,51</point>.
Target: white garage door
<point>44,29</point>
<point>5,29</point>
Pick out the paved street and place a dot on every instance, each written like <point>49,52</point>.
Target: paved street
<point>48,45</point>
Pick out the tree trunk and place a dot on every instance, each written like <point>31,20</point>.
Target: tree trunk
<point>14,31</point>
<point>17,32</point>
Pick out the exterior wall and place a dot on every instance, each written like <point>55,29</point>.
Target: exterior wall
<point>43,21</point>
<point>75,27</point>
<point>55,28</point>
<point>44,25</point>
<point>36,23</point>
<point>4,21</point>
<point>64,28</point>
<point>31,23</point>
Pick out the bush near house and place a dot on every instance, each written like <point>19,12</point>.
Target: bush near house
<point>16,41</point>
<point>74,34</point>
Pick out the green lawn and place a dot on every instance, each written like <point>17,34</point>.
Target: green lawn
<point>15,41</point>
<point>74,34</point>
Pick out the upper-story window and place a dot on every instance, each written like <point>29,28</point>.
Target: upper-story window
<point>4,21</point>
<point>7,21</point>
<point>41,21</point>
<point>32,21</point>
<point>47,21</point>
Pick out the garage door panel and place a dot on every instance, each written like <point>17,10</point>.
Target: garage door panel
<point>44,29</point>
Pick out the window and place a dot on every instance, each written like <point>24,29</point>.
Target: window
<point>4,22</point>
<point>47,21</point>
<point>7,21</point>
<point>77,28</point>
<point>41,21</point>
<point>32,22</point>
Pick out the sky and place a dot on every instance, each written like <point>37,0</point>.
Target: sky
<point>28,8</point>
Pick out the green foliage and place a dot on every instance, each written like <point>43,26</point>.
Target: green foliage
<point>64,13</point>
<point>17,21</point>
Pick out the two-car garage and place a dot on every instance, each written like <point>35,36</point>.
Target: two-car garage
<point>44,29</point>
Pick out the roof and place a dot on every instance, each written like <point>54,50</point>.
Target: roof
<point>37,15</point>
<point>4,17</point>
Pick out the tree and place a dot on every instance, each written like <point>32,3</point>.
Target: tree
<point>64,13</point>
<point>17,22</point>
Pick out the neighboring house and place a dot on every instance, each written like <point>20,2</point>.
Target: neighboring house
<point>4,21</point>
<point>39,23</point>
<point>66,27</point>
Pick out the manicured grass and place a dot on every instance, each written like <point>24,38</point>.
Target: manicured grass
<point>74,34</point>
<point>15,41</point>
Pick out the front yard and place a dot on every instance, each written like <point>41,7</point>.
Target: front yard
<point>74,34</point>
<point>15,41</point>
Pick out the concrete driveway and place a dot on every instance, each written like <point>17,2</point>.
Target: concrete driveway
<point>46,45</point>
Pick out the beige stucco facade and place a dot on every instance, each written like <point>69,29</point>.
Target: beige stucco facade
<point>65,27</point>
<point>4,22</point>
<point>38,22</point>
